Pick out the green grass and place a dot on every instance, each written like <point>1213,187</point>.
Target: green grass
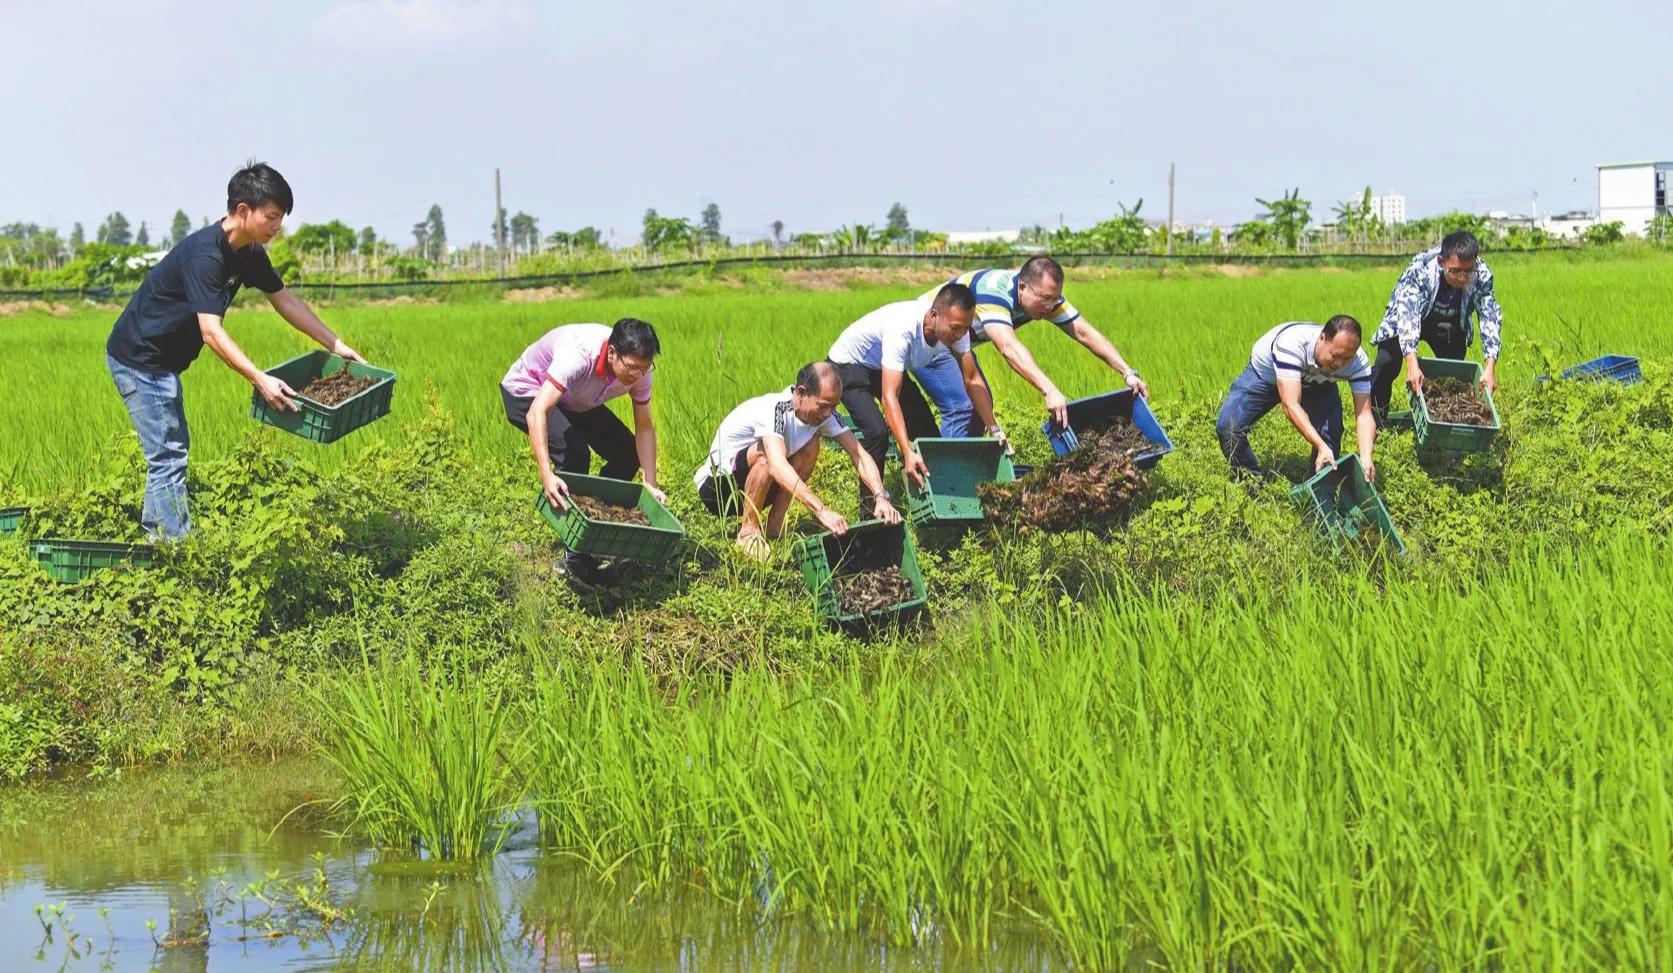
<point>1345,775</point>
<point>1188,333</point>
<point>1207,740</point>
<point>426,758</point>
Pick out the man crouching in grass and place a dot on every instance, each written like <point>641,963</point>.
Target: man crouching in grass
<point>180,307</point>
<point>765,450</point>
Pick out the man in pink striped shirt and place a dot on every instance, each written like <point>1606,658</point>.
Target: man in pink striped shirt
<point>554,392</point>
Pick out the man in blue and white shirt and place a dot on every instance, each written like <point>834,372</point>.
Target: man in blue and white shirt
<point>1297,365</point>
<point>1433,302</point>
<point>1005,301</point>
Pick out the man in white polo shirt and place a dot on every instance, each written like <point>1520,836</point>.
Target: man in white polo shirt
<point>765,450</point>
<point>873,355</point>
<point>554,392</point>
<point>1297,365</point>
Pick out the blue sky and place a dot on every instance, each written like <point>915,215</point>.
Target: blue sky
<point>973,113</point>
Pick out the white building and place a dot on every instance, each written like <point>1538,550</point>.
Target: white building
<point>1633,192</point>
<point>1390,210</point>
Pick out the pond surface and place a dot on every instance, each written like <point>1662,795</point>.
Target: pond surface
<point>232,868</point>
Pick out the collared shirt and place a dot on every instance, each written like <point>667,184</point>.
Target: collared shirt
<point>773,414</point>
<point>1289,352</point>
<point>891,337</point>
<point>1415,294</point>
<point>575,358</point>
<point>158,331</point>
<point>996,302</point>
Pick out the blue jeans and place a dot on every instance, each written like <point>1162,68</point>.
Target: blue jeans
<point>943,382</point>
<point>158,409</point>
<point>1252,396</point>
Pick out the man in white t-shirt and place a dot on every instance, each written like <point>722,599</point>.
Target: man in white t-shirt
<point>873,356</point>
<point>555,391</point>
<point>1297,365</point>
<point>765,450</point>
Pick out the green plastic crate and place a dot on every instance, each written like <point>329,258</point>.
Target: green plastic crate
<point>956,468</point>
<point>71,560</point>
<point>10,518</point>
<point>585,535</point>
<point>867,545</point>
<point>1458,437</point>
<point>325,424</point>
<point>1343,505</point>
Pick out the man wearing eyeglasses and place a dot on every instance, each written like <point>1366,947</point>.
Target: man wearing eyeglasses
<point>1005,301</point>
<point>1433,302</point>
<point>555,391</point>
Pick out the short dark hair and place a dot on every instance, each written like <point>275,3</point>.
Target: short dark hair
<point>1341,323</point>
<point>815,375</point>
<point>256,185</point>
<point>1461,244</point>
<point>632,336</point>
<point>955,295</point>
<point>1036,268</point>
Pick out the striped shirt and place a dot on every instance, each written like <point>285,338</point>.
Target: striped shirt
<point>1287,352</point>
<point>996,302</point>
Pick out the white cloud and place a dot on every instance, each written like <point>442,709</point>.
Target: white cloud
<point>423,24</point>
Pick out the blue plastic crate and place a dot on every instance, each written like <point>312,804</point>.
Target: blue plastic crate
<point>1098,412</point>
<point>1614,368</point>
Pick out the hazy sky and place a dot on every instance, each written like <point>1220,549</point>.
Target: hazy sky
<point>973,113</point>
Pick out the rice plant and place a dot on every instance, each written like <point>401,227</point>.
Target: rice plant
<point>430,762</point>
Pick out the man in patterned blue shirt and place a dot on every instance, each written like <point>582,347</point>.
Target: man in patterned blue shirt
<point>1005,301</point>
<point>1433,302</point>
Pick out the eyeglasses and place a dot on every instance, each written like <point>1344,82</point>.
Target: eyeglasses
<point>1051,300</point>
<point>633,368</point>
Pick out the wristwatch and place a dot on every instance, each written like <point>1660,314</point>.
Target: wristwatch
<point>883,495</point>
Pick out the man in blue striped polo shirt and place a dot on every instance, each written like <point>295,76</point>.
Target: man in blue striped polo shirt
<point>1005,301</point>
<point>1297,365</point>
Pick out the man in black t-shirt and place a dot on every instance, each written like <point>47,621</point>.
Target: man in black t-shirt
<point>178,309</point>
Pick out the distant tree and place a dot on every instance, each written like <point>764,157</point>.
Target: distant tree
<point>78,237</point>
<point>333,237</point>
<point>114,230</point>
<point>1660,229</point>
<point>899,227</point>
<point>1124,232</point>
<point>778,232</point>
<point>1289,215</point>
<point>143,237</point>
<point>1603,233</point>
<point>180,228</point>
<point>666,232</point>
<point>436,232</point>
<point>525,232</point>
<point>711,224</point>
<point>421,238</point>
<point>587,238</point>
<point>368,242</point>
<point>1355,218</point>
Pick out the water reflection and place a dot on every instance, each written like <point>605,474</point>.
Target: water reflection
<point>214,864</point>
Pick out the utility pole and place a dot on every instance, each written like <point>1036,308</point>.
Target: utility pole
<point>1170,209</point>
<point>499,223</point>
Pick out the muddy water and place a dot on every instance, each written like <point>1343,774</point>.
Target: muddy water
<point>234,869</point>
